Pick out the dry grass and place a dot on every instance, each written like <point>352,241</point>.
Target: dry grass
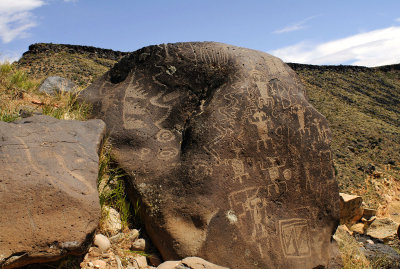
<point>19,96</point>
<point>352,257</point>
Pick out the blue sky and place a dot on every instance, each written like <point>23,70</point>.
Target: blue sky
<point>358,32</point>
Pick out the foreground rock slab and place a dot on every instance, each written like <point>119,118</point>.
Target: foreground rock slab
<point>48,196</point>
<point>229,159</point>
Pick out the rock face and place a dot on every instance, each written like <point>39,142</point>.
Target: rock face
<point>55,84</point>
<point>230,160</point>
<point>48,195</point>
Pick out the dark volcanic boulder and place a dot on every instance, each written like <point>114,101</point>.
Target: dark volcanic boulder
<point>230,160</point>
<point>48,192</point>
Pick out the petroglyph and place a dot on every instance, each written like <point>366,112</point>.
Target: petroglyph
<point>263,124</point>
<point>239,170</point>
<point>295,238</point>
<point>165,135</point>
<point>250,203</point>
<point>168,153</point>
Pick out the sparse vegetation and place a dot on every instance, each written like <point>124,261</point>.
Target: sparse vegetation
<point>111,184</point>
<point>362,106</point>
<point>19,96</point>
<point>352,257</point>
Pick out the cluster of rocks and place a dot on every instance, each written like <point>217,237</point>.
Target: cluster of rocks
<point>229,159</point>
<point>375,234</point>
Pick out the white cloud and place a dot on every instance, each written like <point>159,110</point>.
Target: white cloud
<point>16,18</point>
<point>398,19</point>
<point>10,56</point>
<point>374,48</point>
<point>294,27</point>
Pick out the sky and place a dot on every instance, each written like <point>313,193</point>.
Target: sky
<point>348,32</point>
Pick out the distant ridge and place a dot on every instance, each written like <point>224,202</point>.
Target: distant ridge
<point>88,50</point>
<point>82,64</point>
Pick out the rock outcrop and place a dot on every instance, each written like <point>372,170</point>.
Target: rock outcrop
<point>48,196</point>
<point>229,159</point>
<point>56,84</point>
<point>90,51</point>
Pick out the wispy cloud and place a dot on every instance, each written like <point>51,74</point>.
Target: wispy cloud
<point>16,18</point>
<point>398,20</point>
<point>9,56</point>
<point>374,48</point>
<point>294,27</point>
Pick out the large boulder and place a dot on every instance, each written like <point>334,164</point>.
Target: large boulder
<point>48,196</point>
<point>229,159</point>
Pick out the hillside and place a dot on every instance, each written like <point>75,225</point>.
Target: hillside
<point>82,64</point>
<point>361,104</point>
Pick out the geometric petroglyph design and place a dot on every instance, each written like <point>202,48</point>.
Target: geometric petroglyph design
<point>295,238</point>
<point>239,170</point>
<point>168,153</point>
<point>165,135</point>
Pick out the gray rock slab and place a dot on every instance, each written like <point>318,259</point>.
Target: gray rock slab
<point>56,84</point>
<point>48,197</point>
<point>230,160</point>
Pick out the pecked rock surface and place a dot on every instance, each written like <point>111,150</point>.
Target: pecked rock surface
<point>230,160</point>
<point>48,196</point>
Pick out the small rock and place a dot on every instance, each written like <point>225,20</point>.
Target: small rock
<point>102,242</point>
<point>99,264</point>
<point>369,213</point>
<point>369,241</point>
<point>90,264</point>
<point>133,235</point>
<point>169,265</point>
<point>139,245</point>
<point>351,209</point>
<point>112,224</point>
<point>384,229</point>
<point>117,238</point>
<point>195,262</point>
<point>141,261</point>
<point>358,228</point>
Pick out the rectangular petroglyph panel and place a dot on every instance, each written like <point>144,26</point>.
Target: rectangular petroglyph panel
<point>295,238</point>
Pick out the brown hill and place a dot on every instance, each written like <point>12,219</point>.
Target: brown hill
<point>82,64</point>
